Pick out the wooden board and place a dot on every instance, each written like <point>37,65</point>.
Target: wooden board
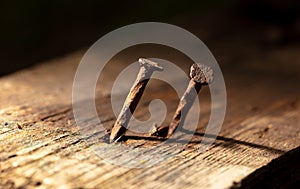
<point>42,146</point>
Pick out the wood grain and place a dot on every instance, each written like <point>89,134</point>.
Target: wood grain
<point>42,146</point>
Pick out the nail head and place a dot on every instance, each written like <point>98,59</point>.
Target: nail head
<point>201,73</point>
<point>150,64</point>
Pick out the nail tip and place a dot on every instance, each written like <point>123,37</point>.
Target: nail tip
<point>115,138</point>
<point>111,140</point>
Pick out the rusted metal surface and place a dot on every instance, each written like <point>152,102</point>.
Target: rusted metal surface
<point>200,75</point>
<point>134,96</point>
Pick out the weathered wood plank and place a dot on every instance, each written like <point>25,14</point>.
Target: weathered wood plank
<point>42,146</point>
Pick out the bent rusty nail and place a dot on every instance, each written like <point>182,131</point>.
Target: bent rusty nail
<point>200,75</point>
<point>135,94</point>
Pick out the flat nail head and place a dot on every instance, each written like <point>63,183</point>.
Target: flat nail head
<point>201,74</point>
<point>150,64</point>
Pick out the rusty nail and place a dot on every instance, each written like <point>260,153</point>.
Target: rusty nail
<point>200,75</point>
<point>135,94</point>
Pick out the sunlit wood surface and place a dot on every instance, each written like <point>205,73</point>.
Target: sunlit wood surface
<point>41,145</point>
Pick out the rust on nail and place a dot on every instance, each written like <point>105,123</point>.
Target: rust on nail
<point>134,96</point>
<point>200,75</point>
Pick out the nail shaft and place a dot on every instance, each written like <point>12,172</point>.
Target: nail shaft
<point>200,75</point>
<point>134,96</point>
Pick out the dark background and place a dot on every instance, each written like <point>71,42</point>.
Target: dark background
<point>34,31</point>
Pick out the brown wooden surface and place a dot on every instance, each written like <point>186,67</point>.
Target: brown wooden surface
<point>41,145</point>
